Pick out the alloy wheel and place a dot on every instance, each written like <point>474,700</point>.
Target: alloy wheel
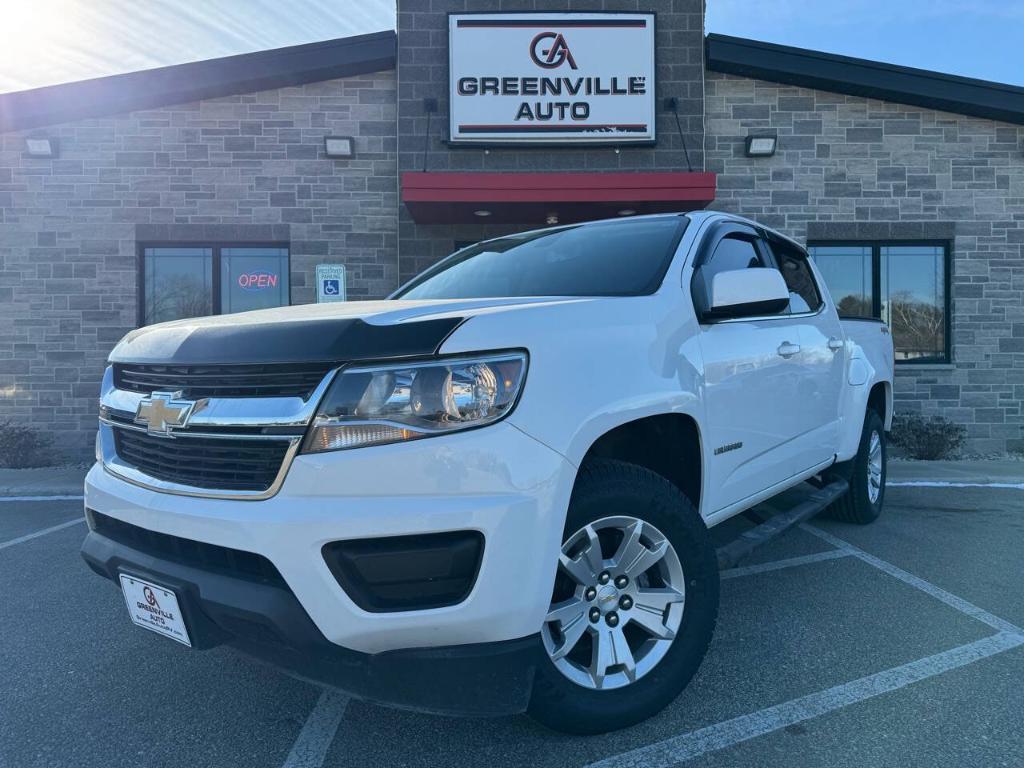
<point>618,603</point>
<point>874,467</point>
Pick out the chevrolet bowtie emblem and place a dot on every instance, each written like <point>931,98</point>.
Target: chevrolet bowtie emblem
<point>163,411</point>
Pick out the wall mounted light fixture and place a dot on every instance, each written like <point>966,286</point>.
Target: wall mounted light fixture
<point>339,146</point>
<point>41,146</point>
<point>760,146</point>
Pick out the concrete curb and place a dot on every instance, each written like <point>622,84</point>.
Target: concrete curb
<point>974,471</point>
<point>43,481</point>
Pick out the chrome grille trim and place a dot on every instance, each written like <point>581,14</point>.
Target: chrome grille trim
<point>186,433</point>
<point>230,411</point>
<point>219,413</point>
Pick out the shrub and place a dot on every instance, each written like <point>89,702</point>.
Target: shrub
<point>927,437</point>
<point>22,446</point>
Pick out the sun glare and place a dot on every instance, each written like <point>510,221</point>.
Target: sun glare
<point>42,42</point>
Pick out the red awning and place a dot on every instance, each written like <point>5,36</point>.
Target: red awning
<point>531,198</point>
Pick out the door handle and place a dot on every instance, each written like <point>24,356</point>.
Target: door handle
<point>835,344</point>
<point>787,350</point>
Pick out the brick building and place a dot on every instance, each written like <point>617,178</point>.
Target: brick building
<point>212,187</point>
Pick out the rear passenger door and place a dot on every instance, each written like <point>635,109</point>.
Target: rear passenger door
<point>821,364</point>
<point>750,369</point>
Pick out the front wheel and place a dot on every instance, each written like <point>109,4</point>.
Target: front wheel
<point>862,504</point>
<point>634,603</point>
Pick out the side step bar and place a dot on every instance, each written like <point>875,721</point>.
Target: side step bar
<point>730,554</point>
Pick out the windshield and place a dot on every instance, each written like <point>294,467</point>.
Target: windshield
<point>618,258</point>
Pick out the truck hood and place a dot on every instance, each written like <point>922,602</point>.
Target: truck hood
<point>345,331</point>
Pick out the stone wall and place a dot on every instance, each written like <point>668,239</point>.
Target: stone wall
<point>423,73</point>
<point>241,168</point>
<point>848,166</point>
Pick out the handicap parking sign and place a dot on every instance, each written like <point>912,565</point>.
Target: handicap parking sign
<point>330,282</point>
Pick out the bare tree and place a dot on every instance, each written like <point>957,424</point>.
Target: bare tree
<point>854,306</point>
<point>178,296</point>
<point>917,327</point>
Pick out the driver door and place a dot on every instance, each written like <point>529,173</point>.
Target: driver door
<point>750,369</point>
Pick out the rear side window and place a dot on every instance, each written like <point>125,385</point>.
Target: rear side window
<point>621,258</point>
<point>804,295</point>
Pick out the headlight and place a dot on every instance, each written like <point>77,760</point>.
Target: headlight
<point>394,403</point>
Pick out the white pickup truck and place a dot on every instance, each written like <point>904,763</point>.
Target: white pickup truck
<point>492,492</point>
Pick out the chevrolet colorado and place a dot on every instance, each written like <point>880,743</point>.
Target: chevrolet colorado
<point>492,492</point>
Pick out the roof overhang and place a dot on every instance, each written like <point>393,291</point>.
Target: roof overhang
<point>531,198</point>
<point>197,80</point>
<point>861,77</point>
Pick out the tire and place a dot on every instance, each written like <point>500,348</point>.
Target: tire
<point>607,494</point>
<point>856,505</point>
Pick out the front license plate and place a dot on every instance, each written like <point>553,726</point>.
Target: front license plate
<point>155,608</point>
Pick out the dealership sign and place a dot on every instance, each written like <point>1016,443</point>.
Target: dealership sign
<point>570,78</point>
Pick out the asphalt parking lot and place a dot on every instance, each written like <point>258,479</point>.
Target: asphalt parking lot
<point>894,644</point>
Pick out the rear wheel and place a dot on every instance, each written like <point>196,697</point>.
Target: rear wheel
<point>634,603</point>
<point>862,504</point>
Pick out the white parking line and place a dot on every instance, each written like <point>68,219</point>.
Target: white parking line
<point>777,565</point>
<point>37,534</point>
<point>917,582</point>
<point>41,498</point>
<point>310,748</point>
<point>745,727</point>
<point>945,484</point>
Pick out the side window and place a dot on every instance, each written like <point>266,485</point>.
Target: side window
<point>804,295</point>
<point>732,253</point>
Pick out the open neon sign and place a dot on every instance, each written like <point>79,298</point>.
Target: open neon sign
<point>257,281</point>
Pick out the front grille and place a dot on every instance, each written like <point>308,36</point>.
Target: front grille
<point>196,381</point>
<point>209,557</point>
<point>203,462</point>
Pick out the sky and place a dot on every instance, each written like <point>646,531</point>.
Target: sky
<point>43,42</point>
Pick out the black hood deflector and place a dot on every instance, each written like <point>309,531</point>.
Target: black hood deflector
<point>292,341</point>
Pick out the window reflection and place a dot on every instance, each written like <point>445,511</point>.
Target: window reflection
<point>730,254</point>
<point>909,292</point>
<point>803,290</point>
<point>914,299</point>
<point>178,283</point>
<point>847,273</point>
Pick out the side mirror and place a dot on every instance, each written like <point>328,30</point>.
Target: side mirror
<point>746,293</point>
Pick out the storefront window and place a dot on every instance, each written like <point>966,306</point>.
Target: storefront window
<point>847,273</point>
<point>178,283</point>
<point>913,291</point>
<point>191,281</point>
<point>906,285</point>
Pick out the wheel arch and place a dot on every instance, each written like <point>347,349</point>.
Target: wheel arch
<point>668,444</point>
<point>880,401</point>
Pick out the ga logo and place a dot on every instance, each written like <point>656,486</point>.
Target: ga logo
<point>554,55</point>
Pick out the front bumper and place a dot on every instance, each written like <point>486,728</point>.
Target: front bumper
<point>497,480</point>
<point>266,621</point>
